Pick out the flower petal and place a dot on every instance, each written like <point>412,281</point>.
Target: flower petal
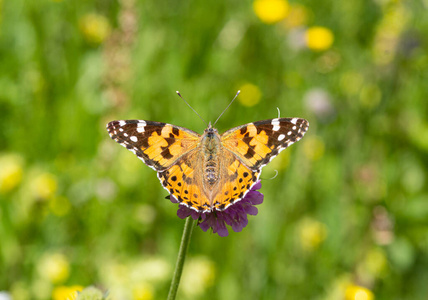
<point>255,197</point>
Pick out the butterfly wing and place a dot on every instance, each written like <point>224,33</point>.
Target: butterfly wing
<point>236,180</point>
<point>256,144</point>
<point>157,144</point>
<point>250,147</point>
<point>171,151</point>
<point>183,180</point>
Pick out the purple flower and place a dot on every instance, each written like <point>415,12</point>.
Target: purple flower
<point>235,215</point>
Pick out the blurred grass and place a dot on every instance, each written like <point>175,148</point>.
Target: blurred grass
<point>347,214</point>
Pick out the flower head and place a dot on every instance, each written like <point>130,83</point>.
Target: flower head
<point>10,173</point>
<point>319,38</point>
<point>95,28</point>
<point>66,292</point>
<point>355,292</point>
<point>235,215</point>
<point>271,11</point>
<point>55,267</point>
<point>44,186</point>
<point>250,94</point>
<point>312,234</point>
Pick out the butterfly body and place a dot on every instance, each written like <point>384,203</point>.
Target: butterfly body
<point>210,171</point>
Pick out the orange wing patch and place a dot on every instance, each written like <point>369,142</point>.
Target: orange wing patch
<point>159,145</point>
<point>165,146</point>
<point>250,146</point>
<point>256,144</point>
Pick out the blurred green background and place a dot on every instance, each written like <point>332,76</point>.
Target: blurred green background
<point>347,215</point>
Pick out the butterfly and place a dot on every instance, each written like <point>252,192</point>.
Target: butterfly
<point>211,171</point>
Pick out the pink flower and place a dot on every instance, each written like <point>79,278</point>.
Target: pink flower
<point>235,215</point>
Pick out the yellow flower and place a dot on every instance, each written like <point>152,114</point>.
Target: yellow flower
<point>44,186</point>
<point>271,11</point>
<point>10,172</point>
<point>54,267</point>
<point>143,291</point>
<point>373,265</point>
<point>250,94</point>
<point>389,31</point>
<point>355,292</point>
<point>95,28</point>
<point>298,16</point>
<point>312,233</point>
<point>59,205</point>
<point>136,279</point>
<point>66,292</point>
<point>319,38</point>
<point>313,147</point>
<point>198,275</point>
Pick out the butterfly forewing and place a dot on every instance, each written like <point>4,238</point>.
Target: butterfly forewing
<point>255,144</point>
<point>157,144</point>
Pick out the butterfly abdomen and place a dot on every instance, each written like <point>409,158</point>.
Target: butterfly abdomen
<point>211,146</point>
<point>211,170</point>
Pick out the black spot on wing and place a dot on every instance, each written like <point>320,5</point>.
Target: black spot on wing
<point>175,131</point>
<point>250,153</point>
<point>166,154</point>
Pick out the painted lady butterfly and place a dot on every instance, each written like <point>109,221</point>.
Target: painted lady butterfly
<point>210,171</point>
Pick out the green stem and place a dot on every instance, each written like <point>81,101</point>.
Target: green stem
<point>185,240</point>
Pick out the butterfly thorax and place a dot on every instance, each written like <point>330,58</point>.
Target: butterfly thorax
<point>211,147</point>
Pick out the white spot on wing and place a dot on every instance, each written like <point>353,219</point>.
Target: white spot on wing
<point>289,133</point>
<point>122,123</point>
<point>125,134</point>
<point>294,127</point>
<point>275,124</point>
<point>294,120</point>
<point>133,138</point>
<point>281,137</point>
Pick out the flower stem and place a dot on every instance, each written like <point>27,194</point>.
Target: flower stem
<point>185,240</point>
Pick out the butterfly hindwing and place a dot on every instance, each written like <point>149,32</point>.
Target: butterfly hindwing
<point>255,144</point>
<point>157,144</point>
<point>183,181</point>
<point>236,180</point>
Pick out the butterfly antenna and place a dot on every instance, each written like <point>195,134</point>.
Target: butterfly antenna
<point>279,113</point>
<point>276,174</point>
<point>178,93</point>
<point>227,107</point>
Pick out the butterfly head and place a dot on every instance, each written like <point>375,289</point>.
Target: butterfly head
<point>210,131</point>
